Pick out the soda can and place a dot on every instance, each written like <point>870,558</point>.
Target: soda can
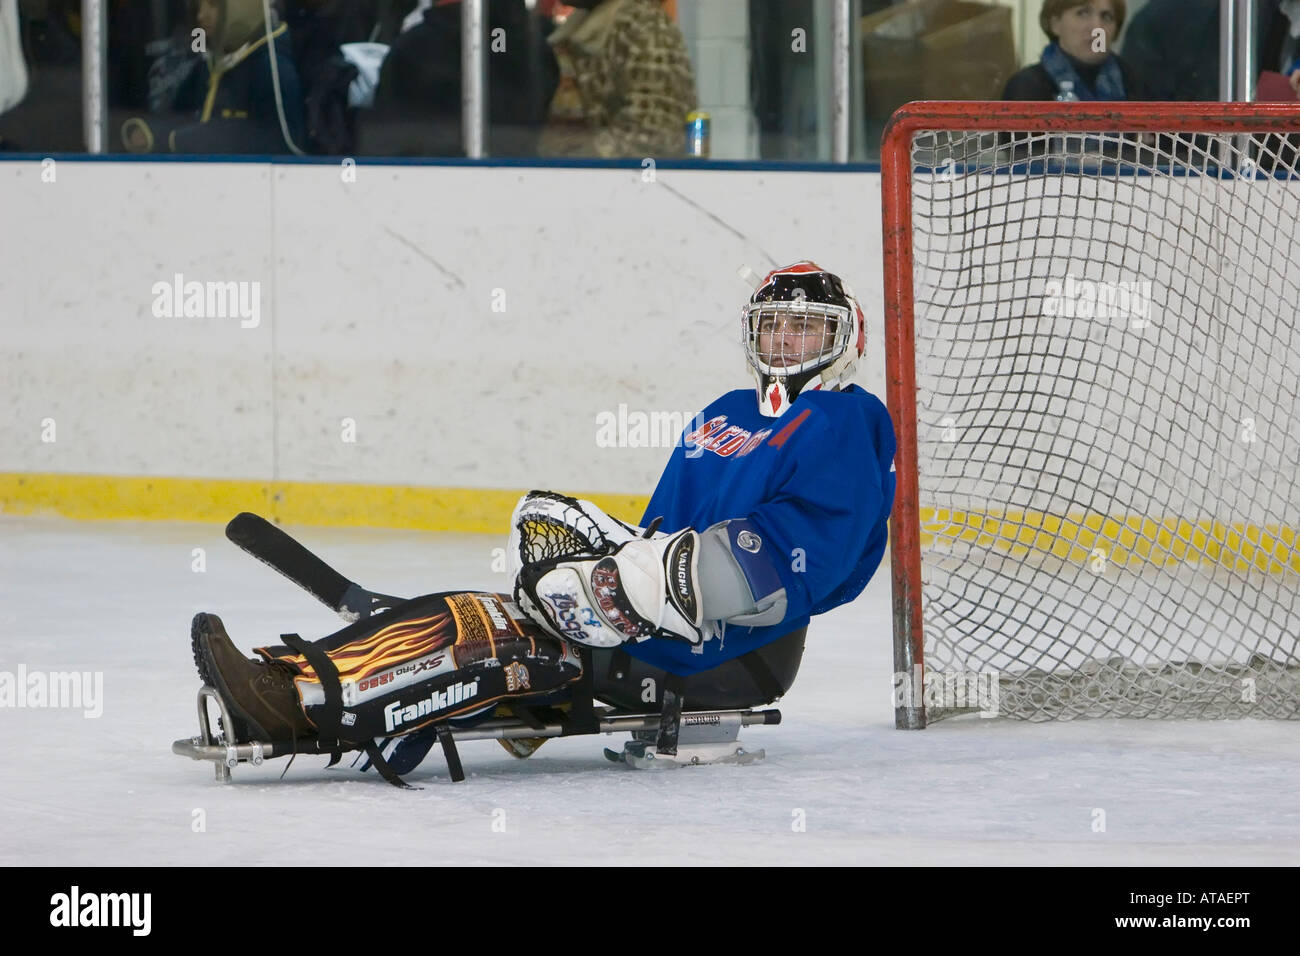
<point>697,135</point>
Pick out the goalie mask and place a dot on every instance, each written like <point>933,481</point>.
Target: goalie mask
<point>802,329</point>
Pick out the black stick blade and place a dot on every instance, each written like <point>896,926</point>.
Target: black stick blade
<point>276,548</point>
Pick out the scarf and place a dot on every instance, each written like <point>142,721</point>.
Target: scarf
<point>1110,81</point>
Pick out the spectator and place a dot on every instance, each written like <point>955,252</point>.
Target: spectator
<point>417,109</point>
<point>1174,45</point>
<point>1083,35</point>
<point>318,27</point>
<point>238,96</point>
<point>317,30</point>
<point>1290,10</point>
<point>626,83</point>
<point>48,117</point>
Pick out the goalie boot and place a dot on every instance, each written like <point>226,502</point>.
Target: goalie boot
<point>261,696</point>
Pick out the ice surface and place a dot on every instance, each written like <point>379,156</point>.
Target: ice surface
<point>117,597</point>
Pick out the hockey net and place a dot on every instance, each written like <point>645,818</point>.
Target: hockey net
<point>1093,348</point>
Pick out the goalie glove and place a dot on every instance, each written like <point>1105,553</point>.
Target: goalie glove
<point>644,588</point>
<point>546,525</point>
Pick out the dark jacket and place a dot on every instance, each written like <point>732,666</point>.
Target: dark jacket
<point>1174,44</point>
<point>316,29</point>
<point>1035,83</point>
<point>237,106</point>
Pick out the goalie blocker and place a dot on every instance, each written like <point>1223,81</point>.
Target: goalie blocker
<point>645,589</point>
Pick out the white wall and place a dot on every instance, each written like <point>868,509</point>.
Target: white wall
<point>377,305</point>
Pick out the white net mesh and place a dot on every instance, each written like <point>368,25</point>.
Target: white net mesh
<point>1107,352</point>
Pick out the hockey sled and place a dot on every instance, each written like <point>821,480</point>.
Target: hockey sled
<point>704,736</point>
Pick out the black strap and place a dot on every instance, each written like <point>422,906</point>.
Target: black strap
<point>379,763</point>
<point>450,754</point>
<point>582,712</point>
<point>670,714</point>
<point>330,720</point>
<point>330,723</point>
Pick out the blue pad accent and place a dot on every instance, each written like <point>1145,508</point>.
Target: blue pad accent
<point>756,558</point>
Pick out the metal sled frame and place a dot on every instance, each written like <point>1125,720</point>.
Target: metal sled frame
<point>550,722</point>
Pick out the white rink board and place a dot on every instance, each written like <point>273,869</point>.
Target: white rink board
<point>377,306</point>
<point>130,393</point>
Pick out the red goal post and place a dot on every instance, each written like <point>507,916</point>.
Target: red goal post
<point>1209,142</point>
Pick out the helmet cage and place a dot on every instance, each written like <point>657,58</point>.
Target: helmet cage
<point>755,315</point>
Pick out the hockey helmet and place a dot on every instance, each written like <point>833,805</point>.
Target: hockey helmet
<point>802,329</point>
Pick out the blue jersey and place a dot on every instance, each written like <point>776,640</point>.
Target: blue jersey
<point>817,485</point>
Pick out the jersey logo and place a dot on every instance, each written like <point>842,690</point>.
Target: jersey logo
<point>725,440</point>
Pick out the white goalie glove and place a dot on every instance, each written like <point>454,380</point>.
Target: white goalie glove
<point>588,577</point>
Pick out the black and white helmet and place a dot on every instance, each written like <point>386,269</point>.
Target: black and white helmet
<point>802,329</point>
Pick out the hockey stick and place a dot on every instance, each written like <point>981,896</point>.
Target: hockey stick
<point>278,549</point>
